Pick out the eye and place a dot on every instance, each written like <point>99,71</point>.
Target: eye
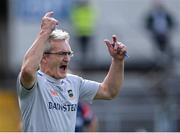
<point>69,53</point>
<point>64,53</point>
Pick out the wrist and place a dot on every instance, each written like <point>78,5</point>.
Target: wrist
<point>45,32</point>
<point>118,60</point>
<point>43,36</point>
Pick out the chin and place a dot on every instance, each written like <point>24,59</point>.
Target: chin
<point>61,76</point>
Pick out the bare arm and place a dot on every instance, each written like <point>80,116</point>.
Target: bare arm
<point>34,54</point>
<point>112,83</point>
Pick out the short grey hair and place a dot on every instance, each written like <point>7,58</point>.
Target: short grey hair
<point>57,34</point>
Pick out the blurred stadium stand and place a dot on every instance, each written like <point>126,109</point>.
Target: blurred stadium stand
<point>149,99</point>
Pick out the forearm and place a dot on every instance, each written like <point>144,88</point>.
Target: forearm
<point>113,81</point>
<point>34,54</point>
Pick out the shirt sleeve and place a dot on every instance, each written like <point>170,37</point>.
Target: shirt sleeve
<point>88,90</point>
<point>21,90</point>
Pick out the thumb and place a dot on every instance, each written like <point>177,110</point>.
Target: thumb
<point>108,44</point>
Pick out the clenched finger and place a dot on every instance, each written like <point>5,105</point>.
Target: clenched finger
<point>121,49</point>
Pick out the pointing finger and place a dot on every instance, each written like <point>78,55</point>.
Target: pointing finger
<point>114,38</point>
<point>114,41</point>
<point>49,14</point>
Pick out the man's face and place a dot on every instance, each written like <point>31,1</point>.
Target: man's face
<point>57,60</point>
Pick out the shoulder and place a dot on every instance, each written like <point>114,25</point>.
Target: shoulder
<point>73,77</point>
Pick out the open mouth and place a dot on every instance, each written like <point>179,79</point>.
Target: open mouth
<point>63,67</point>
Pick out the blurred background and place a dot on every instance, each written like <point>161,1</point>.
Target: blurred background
<point>149,99</point>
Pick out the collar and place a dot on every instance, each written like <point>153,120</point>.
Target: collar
<point>50,79</point>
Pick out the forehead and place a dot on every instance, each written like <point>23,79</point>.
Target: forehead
<point>60,45</point>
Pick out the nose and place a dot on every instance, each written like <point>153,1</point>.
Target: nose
<point>66,58</point>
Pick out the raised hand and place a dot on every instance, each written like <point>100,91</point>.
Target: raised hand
<point>48,23</point>
<point>116,49</point>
